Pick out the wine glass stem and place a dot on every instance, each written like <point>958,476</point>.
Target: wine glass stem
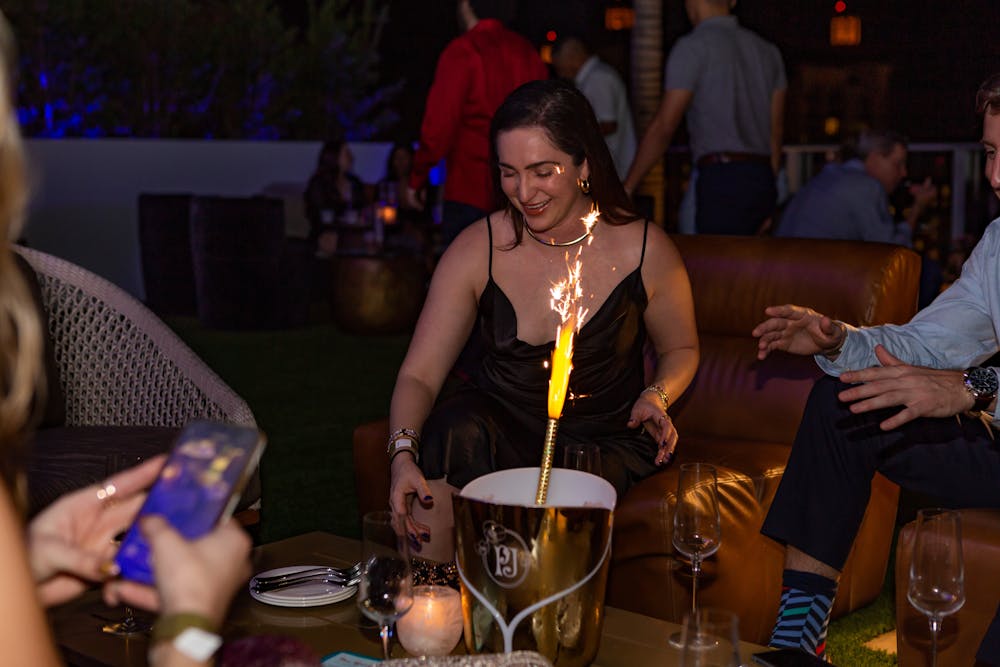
<point>386,634</point>
<point>935,628</point>
<point>695,571</point>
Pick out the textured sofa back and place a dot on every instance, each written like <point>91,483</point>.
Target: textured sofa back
<point>733,279</point>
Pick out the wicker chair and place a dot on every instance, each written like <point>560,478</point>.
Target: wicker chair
<point>119,365</point>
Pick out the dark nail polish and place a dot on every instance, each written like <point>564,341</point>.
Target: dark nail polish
<point>426,536</point>
<point>428,498</point>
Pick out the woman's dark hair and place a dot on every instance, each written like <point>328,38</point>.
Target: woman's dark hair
<point>329,156</point>
<point>390,168</point>
<point>562,111</point>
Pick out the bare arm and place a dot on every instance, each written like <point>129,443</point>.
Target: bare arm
<point>777,127</point>
<point>24,632</point>
<point>671,327</point>
<point>658,135</point>
<point>442,330</point>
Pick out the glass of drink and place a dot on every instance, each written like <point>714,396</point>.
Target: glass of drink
<point>937,573</point>
<point>385,592</point>
<point>697,524</point>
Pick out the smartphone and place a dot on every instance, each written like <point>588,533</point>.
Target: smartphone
<point>199,485</point>
<point>788,657</point>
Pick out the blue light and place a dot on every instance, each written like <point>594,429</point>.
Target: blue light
<point>437,174</point>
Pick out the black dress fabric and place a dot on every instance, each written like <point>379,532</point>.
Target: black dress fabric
<point>498,420</point>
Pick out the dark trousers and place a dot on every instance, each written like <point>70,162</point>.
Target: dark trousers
<point>825,488</point>
<point>734,198</point>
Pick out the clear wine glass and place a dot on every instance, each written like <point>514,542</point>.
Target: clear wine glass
<point>128,625</point>
<point>585,456</point>
<point>697,525</point>
<point>937,574</point>
<point>386,589</point>
<point>710,638</point>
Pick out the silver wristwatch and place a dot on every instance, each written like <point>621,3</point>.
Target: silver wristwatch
<point>982,384</point>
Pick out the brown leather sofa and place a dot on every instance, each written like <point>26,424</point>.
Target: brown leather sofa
<point>962,632</point>
<point>741,415</point>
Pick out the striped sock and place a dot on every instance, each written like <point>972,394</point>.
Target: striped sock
<point>806,601</point>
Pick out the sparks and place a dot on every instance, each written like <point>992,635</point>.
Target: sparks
<point>565,301</point>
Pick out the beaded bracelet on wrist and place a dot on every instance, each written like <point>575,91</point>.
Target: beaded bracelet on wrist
<point>401,440</point>
<point>658,390</point>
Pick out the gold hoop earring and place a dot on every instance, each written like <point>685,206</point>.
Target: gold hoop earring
<point>584,185</point>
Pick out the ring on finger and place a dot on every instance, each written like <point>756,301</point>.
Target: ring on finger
<point>107,491</point>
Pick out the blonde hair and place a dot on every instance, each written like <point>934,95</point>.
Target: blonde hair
<point>21,376</point>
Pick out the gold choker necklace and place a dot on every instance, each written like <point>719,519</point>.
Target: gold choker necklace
<point>565,244</point>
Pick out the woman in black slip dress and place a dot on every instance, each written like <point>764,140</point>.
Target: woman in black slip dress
<point>552,167</point>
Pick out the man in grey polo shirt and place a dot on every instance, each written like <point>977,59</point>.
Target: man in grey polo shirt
<point>731,84</point>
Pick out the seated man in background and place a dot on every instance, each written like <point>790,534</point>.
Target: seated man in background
<point>892,411</point>
<point>850,200</point>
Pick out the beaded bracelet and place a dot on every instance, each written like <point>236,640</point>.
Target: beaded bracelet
<point>401,440</point>
<point>658,390</point>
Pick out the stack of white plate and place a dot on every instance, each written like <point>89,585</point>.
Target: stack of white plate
<point>312,594</point>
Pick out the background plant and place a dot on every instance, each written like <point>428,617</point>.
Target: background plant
<point>229,69</point>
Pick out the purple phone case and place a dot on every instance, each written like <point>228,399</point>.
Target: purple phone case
<point>199,483</point>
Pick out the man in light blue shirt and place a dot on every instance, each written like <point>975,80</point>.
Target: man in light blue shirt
<point>850,199</point>
<point>892,411</point>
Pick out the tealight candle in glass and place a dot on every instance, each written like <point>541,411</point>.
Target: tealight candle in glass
<point>433,625</point>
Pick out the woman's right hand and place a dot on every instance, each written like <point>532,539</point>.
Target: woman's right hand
<point>797,330</point>
<point>407,480</point>
<point>192,576</point>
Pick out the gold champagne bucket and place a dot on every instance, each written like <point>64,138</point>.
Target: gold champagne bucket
<point>533,576</point>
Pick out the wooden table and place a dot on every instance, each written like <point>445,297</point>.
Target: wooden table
<point>628,639</point>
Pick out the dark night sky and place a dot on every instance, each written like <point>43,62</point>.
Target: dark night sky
<point>939,50</point>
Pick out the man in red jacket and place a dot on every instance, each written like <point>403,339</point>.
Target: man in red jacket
<point>476,71</point>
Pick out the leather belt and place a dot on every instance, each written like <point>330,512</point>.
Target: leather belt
<point>726,158</point>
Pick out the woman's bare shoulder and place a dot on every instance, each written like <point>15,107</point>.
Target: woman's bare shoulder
<point>467,256</point>
<point>659,244</point>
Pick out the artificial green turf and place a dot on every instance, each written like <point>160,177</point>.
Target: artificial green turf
<point>309,388</point>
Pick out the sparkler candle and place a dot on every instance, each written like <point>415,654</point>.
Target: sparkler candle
<point>565,297</point>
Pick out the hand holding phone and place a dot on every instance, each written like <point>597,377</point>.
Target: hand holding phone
<point>199,485</point>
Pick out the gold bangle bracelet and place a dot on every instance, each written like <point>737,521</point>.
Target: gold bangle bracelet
<point>658,390</point>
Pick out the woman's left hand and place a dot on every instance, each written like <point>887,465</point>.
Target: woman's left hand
<point>71,541</point>
<point>648,412</point>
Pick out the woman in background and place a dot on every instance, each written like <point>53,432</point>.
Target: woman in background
<point>67,547</point>
<point>334,194</point>
<point>410,231</point>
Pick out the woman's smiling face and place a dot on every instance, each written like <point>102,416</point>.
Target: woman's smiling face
<point>539,179</point>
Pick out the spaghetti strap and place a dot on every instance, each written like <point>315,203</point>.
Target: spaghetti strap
<point>489,230</point>
<point>642,256</point>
